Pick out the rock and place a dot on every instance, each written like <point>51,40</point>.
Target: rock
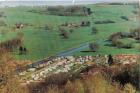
<point>32,69</point>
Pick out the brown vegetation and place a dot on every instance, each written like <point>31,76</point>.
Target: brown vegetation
<point>14,43</point>
<point>96,79</point>
<point>9,81</point>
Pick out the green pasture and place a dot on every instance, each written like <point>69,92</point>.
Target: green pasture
<point>42,43</point>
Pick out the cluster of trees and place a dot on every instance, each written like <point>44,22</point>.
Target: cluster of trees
<point>64,33</point>
<point>69,10</point>
<point>70,25</point>
<point>116,3</point>
<point>104,22</point>
<point>22,50</point>
<point>80,24</point>
<point>85,23</point>
<point>126,3</point>
<point>135,33</point>
<point>114,38</point>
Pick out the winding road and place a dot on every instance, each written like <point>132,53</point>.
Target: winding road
<point>80,48</point>
<point>68,52</point>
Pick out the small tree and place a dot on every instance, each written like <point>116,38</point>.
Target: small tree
<point>94,30</point>
<point>25,50</point>
<point>82,23</point>
<point>93,46</point>
<point>20,50</point>
<point>71,30</point>
<point>115,36</point>
<point>89,11</point>
<point>64,33</point>
<point>110,59</point>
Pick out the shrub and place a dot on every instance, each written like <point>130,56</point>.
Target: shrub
<point>129,75</point>
<point>125,34</point>
<point>9,82</point>
<point>128,88</point>
<point>127,46</point>
<point>85,23</point>
<point>125,18</point>
<point>115,36</point>
<point>57,79</point>
<point>104,22</point>
<point>94,46</point>
<point>93,84</point>
<point>64,33</point>
<point>94,30</point>
<point>71,30</point>
<point>135,12</point>
<point>117,43</point>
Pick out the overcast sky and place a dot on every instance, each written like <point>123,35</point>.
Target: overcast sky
<point>75,0</point>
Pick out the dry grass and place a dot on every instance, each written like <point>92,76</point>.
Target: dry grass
<point>89,83</point>
<point>93,84</point>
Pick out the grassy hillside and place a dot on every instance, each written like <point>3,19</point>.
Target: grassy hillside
<point>42,43</point>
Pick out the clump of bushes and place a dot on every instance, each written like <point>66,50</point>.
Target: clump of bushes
<point>115,38</point>
<point>135,12</point>
<point>57,79</point>
<point>120,44</point>
<point>85,23</point>
<point>104,22</point>
<point>129,76</point>
<point>125,18</point>
<point>64,33</point>
<point>97,83</point>
<point>117,43</point>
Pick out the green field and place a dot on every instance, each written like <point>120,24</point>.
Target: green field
<point>43,43</point>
